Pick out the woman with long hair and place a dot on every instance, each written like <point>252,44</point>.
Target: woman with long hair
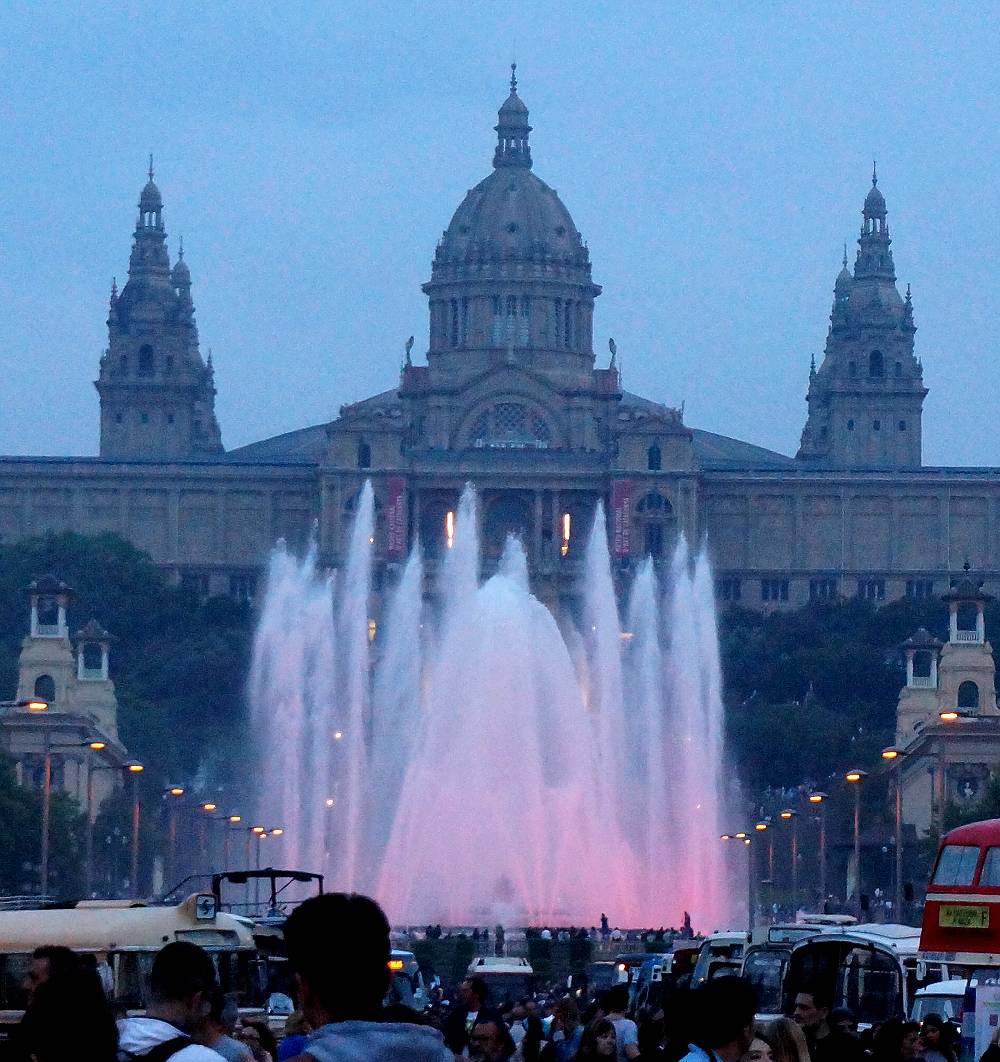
<point>787,1040</point>
<point>598,1041</point>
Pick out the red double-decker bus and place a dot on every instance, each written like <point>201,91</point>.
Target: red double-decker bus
<point>961,922</point>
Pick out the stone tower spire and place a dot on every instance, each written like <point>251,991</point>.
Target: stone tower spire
<point>157,394</point>
<point>866,398</point>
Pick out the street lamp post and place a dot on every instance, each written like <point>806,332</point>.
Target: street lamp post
<point>855,777</point>
<point>135,769</point>
<point>791,816</point>
<point>819,799</point>
<point>174,791</point>
<point>894,757</point>
<point>231,820</point>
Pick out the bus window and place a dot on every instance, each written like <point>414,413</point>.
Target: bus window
<point>871,986</point>
<point>13,969</point>
<point>956,865</point>
<point>990,874</point>
<point>765,970</point>
<point>132,971</point>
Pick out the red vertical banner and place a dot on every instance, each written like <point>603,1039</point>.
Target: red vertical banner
<point>621,522</point>
<point>395,516</point>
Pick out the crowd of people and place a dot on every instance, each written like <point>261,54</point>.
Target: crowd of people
<point>338,948</point>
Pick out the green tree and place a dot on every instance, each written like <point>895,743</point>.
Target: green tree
<point>21,817</point>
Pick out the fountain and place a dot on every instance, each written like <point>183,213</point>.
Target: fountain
<point>491,766</point>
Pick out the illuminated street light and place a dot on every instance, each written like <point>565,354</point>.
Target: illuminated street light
<point>234,818</point>
<point>786,814</point>
<point>760,826</point>
<point>890,753</point>
<point>855,775</point>
<point>950,716</point>
<point>33,704</point>
<point>175,790</point>
<point>819,798</point>
<point>208,806</point>
<point>96,746</point>
<point>134,767</point>
<point>330,802</point>
<point>741,836</point>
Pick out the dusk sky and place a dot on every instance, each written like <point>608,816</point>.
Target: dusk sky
<point>715,158</point>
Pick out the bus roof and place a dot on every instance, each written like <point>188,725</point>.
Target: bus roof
<point>92,927</point>
<point>484,965</point>
<point>986,832</point>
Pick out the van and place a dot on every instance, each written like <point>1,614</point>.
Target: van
<point>945,998</point>
<point>508,979</point>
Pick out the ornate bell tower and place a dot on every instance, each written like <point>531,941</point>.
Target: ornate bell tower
<point>865,399</point>
<point>157,395</point>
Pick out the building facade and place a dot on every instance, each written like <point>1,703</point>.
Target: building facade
<point>947,720</point>
<point>511,397</point>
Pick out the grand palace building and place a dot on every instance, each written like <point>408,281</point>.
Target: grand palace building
<point>510,397</point>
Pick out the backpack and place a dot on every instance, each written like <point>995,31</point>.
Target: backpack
<point>161,1052</point>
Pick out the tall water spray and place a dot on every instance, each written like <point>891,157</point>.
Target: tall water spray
<point>478,764</point>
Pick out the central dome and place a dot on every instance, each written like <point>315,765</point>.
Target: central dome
<point>511,271</point>
<point>512,215</point>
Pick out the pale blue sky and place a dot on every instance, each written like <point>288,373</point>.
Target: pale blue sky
<point>715,157</point>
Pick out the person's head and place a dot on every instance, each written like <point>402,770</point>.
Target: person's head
<point>758,1051</point>
<point>935,1032</point>
<point>338,946</point>
<point>598,1040</point>
<point>181,983</point>
<point>842,1018</point>
<point>223,1012</point>
<point>566,1015</point>
<point>787,1040</point>
<point>812,1008</point>
<point>49,961</point>
<point>723,1012</point>
<point>490,1039</point>
<point>473,993</point>
<point>616,999</point>
<point>534,1030</point>
<point>896,1040</point>
<point>69,1017</point>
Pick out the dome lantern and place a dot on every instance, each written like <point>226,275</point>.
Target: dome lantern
<point>512,129</point>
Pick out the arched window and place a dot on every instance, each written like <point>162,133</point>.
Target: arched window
<point>45,688</point>
<point>653,458</point>
<point>510,426</point>
<point>48,611</point>
<point>147,361</point>
<point>364,455</point>
<point>922,664</point>
<point>967,616</point>
<point>968,695</point>
<point>876,363</point>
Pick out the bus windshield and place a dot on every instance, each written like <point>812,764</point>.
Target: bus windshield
<point>956,865</point>
<point>765,970</point>
<point>871,985</point>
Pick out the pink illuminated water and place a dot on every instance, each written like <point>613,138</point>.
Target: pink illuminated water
<point>492,767</point>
